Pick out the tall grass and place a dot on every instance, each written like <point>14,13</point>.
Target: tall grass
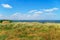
<point>29,31</point>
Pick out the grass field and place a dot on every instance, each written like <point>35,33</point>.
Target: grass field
<point>29,31</point>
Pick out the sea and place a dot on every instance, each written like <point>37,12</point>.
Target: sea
<point>42,21</point>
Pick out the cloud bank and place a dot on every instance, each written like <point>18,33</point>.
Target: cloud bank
<point>46,14</point>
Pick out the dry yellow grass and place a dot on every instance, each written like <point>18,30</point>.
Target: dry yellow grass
<point>29,31</point>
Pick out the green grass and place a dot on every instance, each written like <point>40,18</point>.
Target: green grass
<point>29,31</point>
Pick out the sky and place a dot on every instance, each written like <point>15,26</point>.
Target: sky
<point>30,9</point>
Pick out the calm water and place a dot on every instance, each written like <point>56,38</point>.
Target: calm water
<point>56,21</point>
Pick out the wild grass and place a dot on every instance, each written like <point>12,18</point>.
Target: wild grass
<point>29,31</point>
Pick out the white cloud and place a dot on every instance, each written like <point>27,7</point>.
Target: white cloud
<point>35,12</point>
<point>36,15</point>
<point>32,15</point>
<point>38,12</point>
<point>31,11</point>
<point>6,5</point>
<point>43,11</point>
<point>50,10</point>
<point>55,8</point>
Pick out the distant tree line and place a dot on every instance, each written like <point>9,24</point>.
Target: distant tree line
<point>5,20</point>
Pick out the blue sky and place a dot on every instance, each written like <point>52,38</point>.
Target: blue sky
<point>30,9</point>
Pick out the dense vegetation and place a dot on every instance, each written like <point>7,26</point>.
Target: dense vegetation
<point>5,20</point>
<point>29,31</point>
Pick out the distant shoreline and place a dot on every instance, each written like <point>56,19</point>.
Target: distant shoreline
<point>42,21</point>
